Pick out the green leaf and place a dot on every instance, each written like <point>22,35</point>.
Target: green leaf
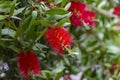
<point>34,15</point>
<point>24,2</point>
<point>57,11</point>
<point>2,44</point>
<point>12,25</point>
<point>42,22</point>
<point>24,27</point>
<point>107,64</point>
<point>74,69</point>
<point>66,61</point>
<point>8,32</point>
<point>59,67</point>
<point>12,9</point>
<point>58,1</point>
<point>18,11</point>
<point>46,74</point>
<point>2,17</point>
<point>64,20</point>
<point>63,3</point>
<point>5,6</point>
<point>119,2</point>
<point>13,48</point>
<point>59,75</point>
<point>113,49</point>
<point>67,6</point>
<point>0,32</point>
<point>99,73</point>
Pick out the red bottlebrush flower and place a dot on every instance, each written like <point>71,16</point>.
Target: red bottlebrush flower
<point>58,37</point>
<point>76,19</point>
<point>77,6</point>
<point>27,63</point>
<point>117,10</point>
<point>76,9</point>
<point>88,18</point>
<point>81,14</point>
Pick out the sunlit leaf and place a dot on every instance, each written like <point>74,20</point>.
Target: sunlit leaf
<point>56,11</point>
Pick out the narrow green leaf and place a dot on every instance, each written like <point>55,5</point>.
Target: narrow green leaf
<point>41,21</point>
<point>24,27</point>
<point>58,1</point>
<point>12,9</point>
<point>66,61</point>
<point>57,11</point>
<point>20,10</point>
<point>63,3</point>
<point>34,15</point>
<point>5,6</point>
<point>67,6</point>
<point>46,74</point>
<point>13,48</point>
<point>64,20</point>
<point>44,23</point>
<point>0,32</point>
<point>119,2</point>
<point>24,2</point>
<point>59,75</point>
<point>2,44</point>
<point>12,25</point>
<point>8,32</point>
<point>2,17</point>
<point>59,67</point>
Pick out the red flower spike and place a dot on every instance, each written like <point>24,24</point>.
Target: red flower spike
<point>77,6</point>
<point>75,19</point>
<point>28,61</point>
<point>81,15</point>
<point>76,9</point>
<point>88,18</point>
<point>58,37</point>
<point>117,10</point>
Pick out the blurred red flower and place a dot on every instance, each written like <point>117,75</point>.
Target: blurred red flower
<point>28,63</point>
<point>88,18</point>
<point>77,6</point>
<point>67,77</point>
<point>114,67</point>
<point>58,38</point>
<point>81,15</point>
<point>117,10</point>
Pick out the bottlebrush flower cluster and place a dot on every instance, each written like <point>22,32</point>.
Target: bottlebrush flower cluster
<point>117,10</point>
<point>28,63</point>
<point>58,38</point>
<point>81,14</point>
